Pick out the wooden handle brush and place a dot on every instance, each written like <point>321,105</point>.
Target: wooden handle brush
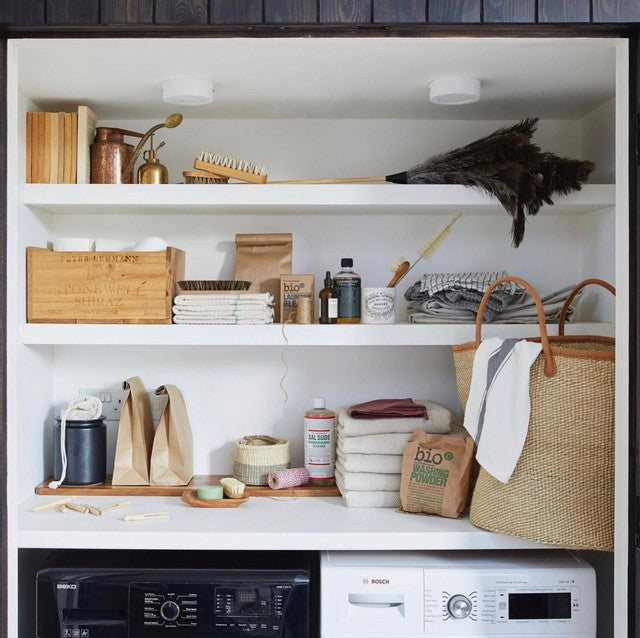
<point>430,247</point>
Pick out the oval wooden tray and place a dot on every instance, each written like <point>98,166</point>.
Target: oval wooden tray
<point>189,497</point>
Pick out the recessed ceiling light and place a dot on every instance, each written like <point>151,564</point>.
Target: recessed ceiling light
<point>187,91</point>
<point>454,90</point>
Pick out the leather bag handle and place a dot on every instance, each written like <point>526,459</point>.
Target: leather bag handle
<point>574,292</point>
<point>549,362</point>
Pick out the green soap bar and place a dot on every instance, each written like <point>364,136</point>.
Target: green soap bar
<point>210,493</point>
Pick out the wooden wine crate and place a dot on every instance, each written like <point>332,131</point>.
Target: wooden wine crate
<point>102,287</point>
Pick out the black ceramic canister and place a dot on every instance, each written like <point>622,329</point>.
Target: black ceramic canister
<point>86,445</point>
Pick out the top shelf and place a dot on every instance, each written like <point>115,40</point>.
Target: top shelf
<point>286,199</point>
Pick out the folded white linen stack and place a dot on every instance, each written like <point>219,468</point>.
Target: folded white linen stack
<point>227,308</point>
<point>369,454</point>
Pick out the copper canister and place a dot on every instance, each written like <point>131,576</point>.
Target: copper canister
<point>109,155</point>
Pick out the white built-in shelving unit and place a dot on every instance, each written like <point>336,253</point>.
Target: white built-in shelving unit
<point>363,111</point>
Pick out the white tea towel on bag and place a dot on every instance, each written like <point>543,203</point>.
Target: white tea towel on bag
<point>498,407</point>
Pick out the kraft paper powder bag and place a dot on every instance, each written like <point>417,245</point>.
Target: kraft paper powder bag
<point>172,454</point>
<point>436,472</point>
<point>261,259</point>
<point>135,437</point>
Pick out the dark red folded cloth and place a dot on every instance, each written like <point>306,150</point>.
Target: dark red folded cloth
<point>387,409</point>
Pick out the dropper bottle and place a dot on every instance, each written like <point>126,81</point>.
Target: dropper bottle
<point>328,301</point>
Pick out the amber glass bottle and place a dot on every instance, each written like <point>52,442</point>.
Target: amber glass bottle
<point>328,301</point>
<point>346,284</point>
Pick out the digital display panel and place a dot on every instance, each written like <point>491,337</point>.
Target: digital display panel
<point>539,606</point>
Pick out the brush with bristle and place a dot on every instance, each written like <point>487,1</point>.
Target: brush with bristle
<point>232,487</point>
<point>426,252</point>
<point>202,177</point>
<point>224,166</point>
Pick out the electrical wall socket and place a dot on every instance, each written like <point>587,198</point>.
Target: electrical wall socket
<point>112,400</point>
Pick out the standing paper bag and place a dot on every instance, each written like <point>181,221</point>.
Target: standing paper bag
<point>135,437</point>
<point>172,455</point>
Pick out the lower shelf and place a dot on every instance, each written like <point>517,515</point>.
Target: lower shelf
<point>270,523</point>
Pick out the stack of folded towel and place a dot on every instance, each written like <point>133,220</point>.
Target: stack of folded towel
<point>456,297</point>
<point>370,441</point>
<point>227,308</point>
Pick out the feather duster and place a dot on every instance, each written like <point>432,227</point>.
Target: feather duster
<point>510,166</point>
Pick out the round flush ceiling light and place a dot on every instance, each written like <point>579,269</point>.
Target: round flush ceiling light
<point>454,90</point>
<point>187,91</point>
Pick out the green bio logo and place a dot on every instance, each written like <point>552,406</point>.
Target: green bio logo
<point>448,456</point>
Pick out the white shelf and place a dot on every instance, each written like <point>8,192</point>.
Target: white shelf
<point>295,199</point>
<point>272,335</point>
<point>314,523</point>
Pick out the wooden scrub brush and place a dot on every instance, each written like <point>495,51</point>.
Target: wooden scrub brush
<point>202,177</point>
<point>212,285</point>
<point>223,166</point>
<point>232,487</point>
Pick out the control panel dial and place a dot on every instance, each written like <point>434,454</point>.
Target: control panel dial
<point>169,610</point>
<point>459,606</point>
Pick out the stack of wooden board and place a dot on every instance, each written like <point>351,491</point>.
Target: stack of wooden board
<point>58,146</point>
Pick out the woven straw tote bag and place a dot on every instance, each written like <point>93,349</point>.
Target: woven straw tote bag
<point>561,492</point>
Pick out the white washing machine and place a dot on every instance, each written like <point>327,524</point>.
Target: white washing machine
<point>457,593</point>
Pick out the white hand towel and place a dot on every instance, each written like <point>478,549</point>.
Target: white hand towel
<point>438,422</point>
<point>197,300</point>
<point>373,498</point>
<point>368,481</point>
<point>497,415</point>
<point>380,463</point>
<point>373,444</point>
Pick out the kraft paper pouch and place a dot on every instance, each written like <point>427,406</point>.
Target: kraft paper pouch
<point>436,472</point>
<point>172,454</point>
<point>261,259</point>
<point>135,437</point>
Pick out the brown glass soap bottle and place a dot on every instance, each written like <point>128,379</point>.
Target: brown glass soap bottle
<point>328,302</point>
<point>346,284</point>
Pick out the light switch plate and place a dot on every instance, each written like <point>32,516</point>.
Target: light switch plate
<point>112,400</point>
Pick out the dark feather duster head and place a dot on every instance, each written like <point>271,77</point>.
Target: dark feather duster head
<point>509,166</point>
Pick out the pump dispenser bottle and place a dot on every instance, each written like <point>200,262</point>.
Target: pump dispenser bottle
<point>347,285</point>
<point>319,444</point>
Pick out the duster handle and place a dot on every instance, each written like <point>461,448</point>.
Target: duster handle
<point>332,180</point>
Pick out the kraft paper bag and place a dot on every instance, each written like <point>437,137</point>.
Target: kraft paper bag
<point>172,454</point>
<point>261,259</point>
<point>135,437</point>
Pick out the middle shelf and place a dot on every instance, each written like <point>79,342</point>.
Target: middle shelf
<point>399,334</point>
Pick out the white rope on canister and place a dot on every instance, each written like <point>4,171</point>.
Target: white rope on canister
<point>85,408</point>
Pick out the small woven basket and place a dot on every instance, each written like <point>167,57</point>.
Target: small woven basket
<point>258,455</point>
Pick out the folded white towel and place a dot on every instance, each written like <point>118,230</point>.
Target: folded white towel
<point>438,422</point>
<point>498,407</point>
<point>222,320</point>
<point>373,444</point>
<point>198,300</point>
<point>367,481</point>
<point>367,499</point>
<point>200,313</point>
<point>374,463</point>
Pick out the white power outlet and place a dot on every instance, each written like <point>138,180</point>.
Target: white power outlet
<point>112,400</point>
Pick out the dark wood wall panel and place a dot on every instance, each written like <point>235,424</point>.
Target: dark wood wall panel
<point>182,12</point>
<point>454,10</point>
<point>126,11</point>
<point>72,12</point>
<point>345,11</point>
<point>509,11</point>
<point>399,11</point>
<point>290,11</point>
<point>22,12</point>
<point>616,10</point>
<point>566,11</point>
<point>235,11</point>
